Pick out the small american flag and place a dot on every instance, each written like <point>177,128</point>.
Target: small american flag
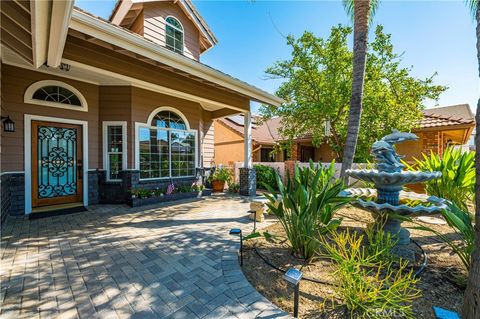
<point>170,188</point>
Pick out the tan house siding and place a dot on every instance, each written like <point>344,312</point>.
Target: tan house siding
<point>14,83</point>
<point>154,26</point>
<point>100,57</point>
<point>208,142</point>
<point>116,105</point>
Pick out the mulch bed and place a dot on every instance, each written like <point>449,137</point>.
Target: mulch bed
<point>440,283</point>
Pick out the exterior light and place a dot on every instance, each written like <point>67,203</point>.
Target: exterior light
<point>293,277</point>
<point>8,124</point>
<point>238,231</point>
<point>441,313</point>
<point>254,219</point>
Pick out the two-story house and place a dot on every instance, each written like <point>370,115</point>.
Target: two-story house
<point>92,107</point>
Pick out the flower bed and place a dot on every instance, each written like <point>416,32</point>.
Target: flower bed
<point>142,197</point>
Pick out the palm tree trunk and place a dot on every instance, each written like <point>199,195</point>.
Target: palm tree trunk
<point>471,304</point>
<point>360,38</point>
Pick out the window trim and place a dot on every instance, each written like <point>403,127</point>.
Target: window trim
<point>148,125</point>
<point>105,125</point>
<point>175,28</point>
<point>30,91</point>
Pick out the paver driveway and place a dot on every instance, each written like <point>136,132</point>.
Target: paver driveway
<point>118,262</point>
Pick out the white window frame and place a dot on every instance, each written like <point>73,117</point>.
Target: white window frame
<point>148,125</point>
<point>174,27</point>
<point>106,162</point>
<point>28,96</point>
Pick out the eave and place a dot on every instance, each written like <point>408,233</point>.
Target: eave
<point>122,38</point>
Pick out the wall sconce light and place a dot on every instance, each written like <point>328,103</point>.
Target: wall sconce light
<point>238,231</point>
<point>293,277</point>
<point>8,124</point>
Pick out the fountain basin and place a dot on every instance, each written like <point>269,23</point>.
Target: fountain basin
<point>392,179</point>
<point>435,207</point>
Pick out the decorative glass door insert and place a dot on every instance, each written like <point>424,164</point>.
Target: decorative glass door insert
<point>57,168</point>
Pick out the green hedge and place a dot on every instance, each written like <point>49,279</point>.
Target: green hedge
<point>265,174</point>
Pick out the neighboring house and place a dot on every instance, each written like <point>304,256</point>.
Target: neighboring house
<point>100,107</point>
<point>439,127</point>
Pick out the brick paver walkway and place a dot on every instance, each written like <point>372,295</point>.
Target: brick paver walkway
<point>118,262</point>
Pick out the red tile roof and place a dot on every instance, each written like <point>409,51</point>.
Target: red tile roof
<point>267,132</point>
<point>446,116</point>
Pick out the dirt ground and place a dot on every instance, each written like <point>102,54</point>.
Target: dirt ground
<point>440,283</point>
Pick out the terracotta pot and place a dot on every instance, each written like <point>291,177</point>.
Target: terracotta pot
<point>218,186</point>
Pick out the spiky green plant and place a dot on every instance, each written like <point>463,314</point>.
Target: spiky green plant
<point>369,285</point>
<point>305,206</point>
<point>457,182</point>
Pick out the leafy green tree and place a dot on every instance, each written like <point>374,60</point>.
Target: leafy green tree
<point>471,304</point>
<point>317,89</point>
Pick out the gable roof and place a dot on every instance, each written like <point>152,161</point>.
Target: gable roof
<point>267,132</point>
<point>446,116</point>
<point>120,37</point>
<point>187,7</point>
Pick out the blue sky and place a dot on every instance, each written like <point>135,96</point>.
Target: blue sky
<point>435,36</point>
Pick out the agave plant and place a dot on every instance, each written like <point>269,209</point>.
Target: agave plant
<point>305,206</point>
<point>458,175</point>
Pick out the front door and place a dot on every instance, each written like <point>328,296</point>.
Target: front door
<point>57,168</point>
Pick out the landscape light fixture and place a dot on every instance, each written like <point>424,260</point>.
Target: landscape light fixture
<point>238,231</point>
<point>254,213</point>
<point>441,313</point>
<point>293,277</point>
<point>8,124</point>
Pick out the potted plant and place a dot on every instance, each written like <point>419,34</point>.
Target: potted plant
<point>219,178</point>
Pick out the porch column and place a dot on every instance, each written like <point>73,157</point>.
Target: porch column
<point>248,178</point>
<point>247,142</point>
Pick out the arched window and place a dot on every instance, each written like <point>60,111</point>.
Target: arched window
<point>167,148</point>
<point>56,94</point>
<point>167,119</point>
<point>174,35</point>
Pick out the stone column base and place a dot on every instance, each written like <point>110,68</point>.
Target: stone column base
<point>248,181</point>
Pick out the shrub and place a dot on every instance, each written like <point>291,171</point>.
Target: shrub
<point>234,188</point>
<point>305,207</point>
<point>369,286</point>
<point>221,174</point>
<point>266,175</point>
<point>457,182</point>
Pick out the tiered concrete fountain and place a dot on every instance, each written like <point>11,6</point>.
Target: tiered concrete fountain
<point>388,197</point>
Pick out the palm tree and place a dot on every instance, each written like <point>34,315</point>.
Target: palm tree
<point>361,11</point>
<point>471,304</point>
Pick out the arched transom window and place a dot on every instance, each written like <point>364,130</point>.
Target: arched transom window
<point>167,147</point>
<point>174,35</point>
<point>168,119</point>
<point>56,94</point>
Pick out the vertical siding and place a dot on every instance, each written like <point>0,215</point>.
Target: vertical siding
<point>14,83</point>
<point>154,26</point>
